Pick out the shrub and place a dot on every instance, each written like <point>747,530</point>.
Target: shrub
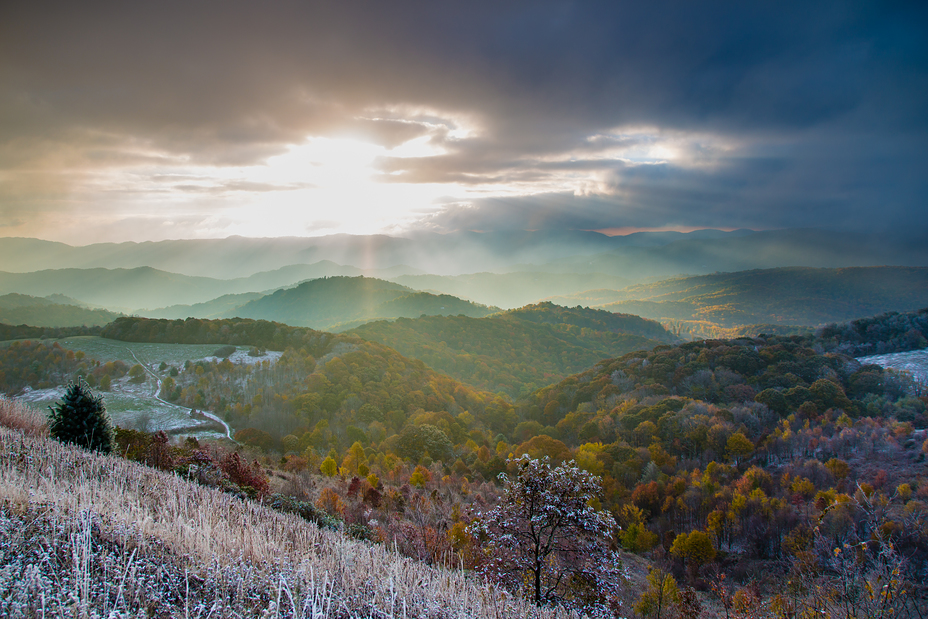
<point>244,476</point>
<point>137,373</point>
<point>223,352</point>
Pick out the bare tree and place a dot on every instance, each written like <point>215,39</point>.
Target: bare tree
<point>547,539</point>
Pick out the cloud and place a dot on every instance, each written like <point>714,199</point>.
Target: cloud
<point>753,190</point>
<point>798,112</point>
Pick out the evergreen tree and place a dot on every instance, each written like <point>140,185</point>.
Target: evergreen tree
<point>80,418</point>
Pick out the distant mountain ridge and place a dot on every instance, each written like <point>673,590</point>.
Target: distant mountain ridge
<point>783,296</point>
<point>234,257</point>
<point>760,250</point>
<point>140,288</point>
<point>510,290</point>
<point>634,256</point>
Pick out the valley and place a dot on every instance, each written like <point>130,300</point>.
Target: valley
<point>453,310</point>
<point>742,407</point>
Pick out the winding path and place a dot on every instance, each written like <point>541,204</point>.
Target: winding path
<point>157,396</point>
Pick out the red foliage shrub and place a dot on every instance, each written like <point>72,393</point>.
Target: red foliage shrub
<point>160,453</point>
<point>243,475</point>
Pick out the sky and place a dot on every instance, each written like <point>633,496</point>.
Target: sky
<point>155,120</point>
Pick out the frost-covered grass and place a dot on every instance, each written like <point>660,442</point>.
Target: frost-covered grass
<point>85,535</point>
<point>915,362</point>
<point>19,416</point>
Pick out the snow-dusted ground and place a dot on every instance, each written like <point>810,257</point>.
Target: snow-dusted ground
<point>40,396</point>
<point>915,362</point>
<point>242,357</point>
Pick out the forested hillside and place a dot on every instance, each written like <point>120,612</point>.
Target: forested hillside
<point>748,453</point>
<point>42,365</point>
<point>520,350</point>
<point>20,309</point>
<point>878,335</point>
<point>748,457</point>
<point>344,387</point>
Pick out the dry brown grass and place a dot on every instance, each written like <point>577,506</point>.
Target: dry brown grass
<point>88,535</point>
<point>27,419</point>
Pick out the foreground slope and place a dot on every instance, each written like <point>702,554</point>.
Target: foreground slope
<point>85,533</point>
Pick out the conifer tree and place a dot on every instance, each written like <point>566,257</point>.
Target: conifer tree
<point>81,418</point>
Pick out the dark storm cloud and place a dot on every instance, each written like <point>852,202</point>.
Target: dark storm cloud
<point>824,101</point>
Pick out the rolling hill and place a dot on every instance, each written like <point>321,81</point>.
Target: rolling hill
<point>327,303</point>
<point>519,350</point>
<point>217,308</point>
<point>740,252</point>
<point>320,376</point>
<point>132,290</point>
<point>20,309</point>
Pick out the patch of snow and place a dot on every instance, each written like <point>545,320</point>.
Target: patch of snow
<point>40,395</point>
<point>241,357</point>
<point>915,362</point>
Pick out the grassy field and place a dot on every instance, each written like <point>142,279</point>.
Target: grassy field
<point>135,405</point>
<point>105,350</point>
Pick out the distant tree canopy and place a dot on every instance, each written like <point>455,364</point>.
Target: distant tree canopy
<point>21,332</point>
<point>877,335</point>
<point>231,331</point>
<point>418,441</point>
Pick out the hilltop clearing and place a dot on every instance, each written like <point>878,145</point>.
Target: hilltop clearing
<point>131,375</point>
